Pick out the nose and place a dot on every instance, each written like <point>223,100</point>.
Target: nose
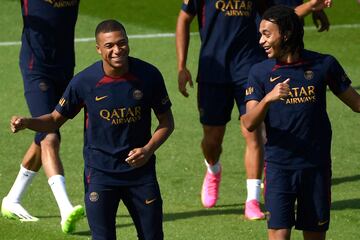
<point>261,40</point>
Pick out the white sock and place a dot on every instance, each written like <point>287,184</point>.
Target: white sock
<point>57,185</point>
<point>213,169</point>
<point>253,189</point>
<point>22,182</point>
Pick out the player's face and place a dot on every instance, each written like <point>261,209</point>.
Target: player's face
<point>270,39</point>
<point>114,50</point>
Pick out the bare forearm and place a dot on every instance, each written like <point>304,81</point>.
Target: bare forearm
<point>162,132</point>
<point>255,114</point>
<point>44,123</point>
<point>182,39</point>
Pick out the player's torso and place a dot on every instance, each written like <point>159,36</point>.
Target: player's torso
<point>118,114</point>
<point>48,35</point>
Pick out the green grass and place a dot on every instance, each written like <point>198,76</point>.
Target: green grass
<point>180,165</point>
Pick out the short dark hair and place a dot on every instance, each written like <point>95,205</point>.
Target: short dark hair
<point>290,26</point>
<point>109,25</point>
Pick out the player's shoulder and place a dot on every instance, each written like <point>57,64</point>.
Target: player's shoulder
<point>263,67</point>
<point>317,56</point>
<point>140,66</point>
<point>93,71</point>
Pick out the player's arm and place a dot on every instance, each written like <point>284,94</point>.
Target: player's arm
<point>311,6</point>
<point>182,45</point>
<point>256,111</point>
<point>351,98</point>
<point>45,123</point>
<point>139,156</point>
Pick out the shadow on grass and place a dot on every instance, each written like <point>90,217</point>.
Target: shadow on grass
<point>346,204</point>
<point>340,180</point>
<point>228,209</point>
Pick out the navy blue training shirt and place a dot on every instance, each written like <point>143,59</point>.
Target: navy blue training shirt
<point>298,129</point>
<point>48,34</point>
<point>229,39</point>
<point>117,115</point>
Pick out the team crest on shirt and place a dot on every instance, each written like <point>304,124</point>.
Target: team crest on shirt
<point>43,86</point>
<point>137,94</point>
<point>94,196</point>
<point>308,75</point>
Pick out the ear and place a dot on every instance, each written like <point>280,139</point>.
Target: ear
<point>98,49</point>
<point>286,36</point>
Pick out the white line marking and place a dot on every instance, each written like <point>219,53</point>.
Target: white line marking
<point>170,35</point>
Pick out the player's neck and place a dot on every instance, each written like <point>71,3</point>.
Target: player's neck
<point>116,72</point>
<point>289,58</point>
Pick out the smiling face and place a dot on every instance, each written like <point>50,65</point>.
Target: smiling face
<point>114,50</point>
<point>271,40</point>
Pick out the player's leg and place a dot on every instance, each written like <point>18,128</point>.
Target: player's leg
<point>215,103</point>
<point>211,148</point>
<point>313,205</point>
<point>53,168</point>
<point>253,160</point>
<point>314,235</point>
<point>144,204</point>
<point>280,197</point>
<point>279,234</point>
<point>11,205</point>
<point>42,94</point>
<point>101,207</point>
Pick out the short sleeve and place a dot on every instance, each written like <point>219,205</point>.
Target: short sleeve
<point>190,6</point>
<point>255,88</point>
<point>160,101</point>
<point>70,103</point>
<point>337,79</point>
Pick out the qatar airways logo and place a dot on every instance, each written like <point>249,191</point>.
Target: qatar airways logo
<point>121,115</point>
<point>62,3</point>
<point>298,95</point>
<point>234,8</point>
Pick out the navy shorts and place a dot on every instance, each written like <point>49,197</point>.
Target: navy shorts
<point>216,101</point>
<point>143,202</point>
<point>43,92</point>
<point>299,198</point>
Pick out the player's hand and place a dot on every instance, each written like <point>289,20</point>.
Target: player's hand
<point>184,77</point>
<point>138,157</point>
<point>321,21</point>
<point>318,5</point>
<point>17,124</point>
<point>280,91</point>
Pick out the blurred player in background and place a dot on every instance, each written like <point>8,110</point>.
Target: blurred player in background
<point>229,47</point>
<point>118,94</point>
<point>47,63</point>
<point>288,93</point>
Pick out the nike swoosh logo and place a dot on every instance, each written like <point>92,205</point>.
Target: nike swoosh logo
<point>274,79</point>
<point>100,98</point>
<point>320,223</point>
<point>147,202</point>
